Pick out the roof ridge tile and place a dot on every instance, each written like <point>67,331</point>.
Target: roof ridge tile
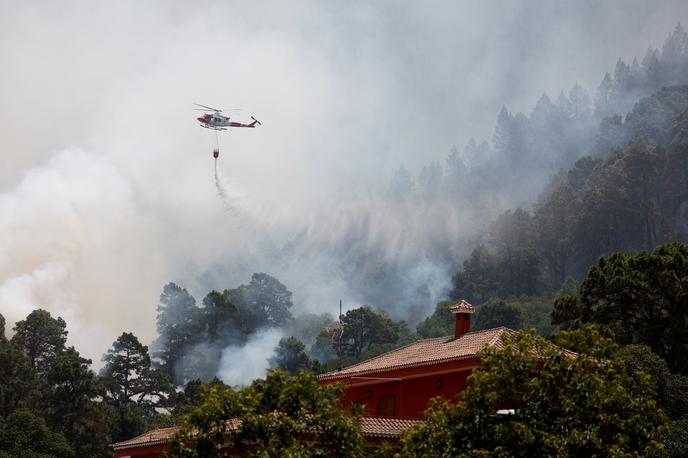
<point>422,352</point>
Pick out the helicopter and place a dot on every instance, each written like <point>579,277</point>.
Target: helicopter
<point>217,121</point>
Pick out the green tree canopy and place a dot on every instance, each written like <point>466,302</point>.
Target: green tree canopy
<point>671,391</point>
<point>127,365</point>
<point>440,323</point>
<point>74,412</point>
<point>291,356</point>
<point>58,397</point>
<point>479,279</point>
<point>279,416</point>
<point>224,321</point>
<point>40,337</point>
<point>642,298</point>
<point>25,434</point>
<point>19,386</point>
<point>514,237</point>
<point>178,327</point>
<point>496,313</point>
<point>324,346</point>
<point>192,396</point>
<point>132,387</point>
<point>523,312</point>
<point>534,312</point>
<point>563,405</point>
<point>556,211</point>
<point>265,296</point>
<point>364,328</point>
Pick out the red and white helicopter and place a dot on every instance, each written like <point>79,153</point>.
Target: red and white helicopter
<point>216,121</point>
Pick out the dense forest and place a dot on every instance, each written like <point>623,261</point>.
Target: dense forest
<point>396,247</point>
<point>592,258</point>
<point>632,199</point>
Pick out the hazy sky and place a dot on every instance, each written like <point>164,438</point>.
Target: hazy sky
<point>106,184</point>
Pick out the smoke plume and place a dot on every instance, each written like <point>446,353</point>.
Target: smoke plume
<point>239,365</point>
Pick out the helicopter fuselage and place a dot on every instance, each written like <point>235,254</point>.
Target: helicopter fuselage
<point>217,121</point>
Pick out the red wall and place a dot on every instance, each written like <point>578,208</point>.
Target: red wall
<point>146,451</point>
<point>411,388</point>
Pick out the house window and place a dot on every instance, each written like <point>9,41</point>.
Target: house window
<point>386,406</point>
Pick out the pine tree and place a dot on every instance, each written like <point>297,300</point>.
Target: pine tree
<point>675,55</point>
<point>290,356</point>
<point>266,297</point>
<point>622,79</point>
<point>564,107</point>
<point>75,413</point>
<point>502,134</point>
<point>603,101</point>
<point>128,376</point>
<point>653,70</point>
<point>132,387</point>
<point>580,102</point>
<point>41,338</point>
<point>637,80</point>
<point>178,327</point>
<point>542,113</point>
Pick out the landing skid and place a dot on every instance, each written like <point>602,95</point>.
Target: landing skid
<point>212,128</point>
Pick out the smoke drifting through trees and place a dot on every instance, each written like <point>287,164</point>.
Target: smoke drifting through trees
<point>627,201</point>
<point>444,209</point>
<point>239,365</point>
<point>351,105</point>
<point>232,335</point>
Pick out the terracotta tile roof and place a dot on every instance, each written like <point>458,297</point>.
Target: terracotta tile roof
<point>423,352</point>
<point>373,427</point>
<point>386,427</point>
<point>161,435</point>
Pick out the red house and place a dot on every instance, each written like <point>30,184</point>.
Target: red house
<point>401,382</point>
<point>393,388</point>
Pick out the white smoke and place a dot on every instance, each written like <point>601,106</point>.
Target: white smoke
<point>240,365</point>
<point>69,236</point>
<point>20,294</point>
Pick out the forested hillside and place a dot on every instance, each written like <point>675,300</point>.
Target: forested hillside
<point>441,209</point>
<point>632,199</point>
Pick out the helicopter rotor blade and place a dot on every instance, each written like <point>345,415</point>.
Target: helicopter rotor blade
<point>207,107</point>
